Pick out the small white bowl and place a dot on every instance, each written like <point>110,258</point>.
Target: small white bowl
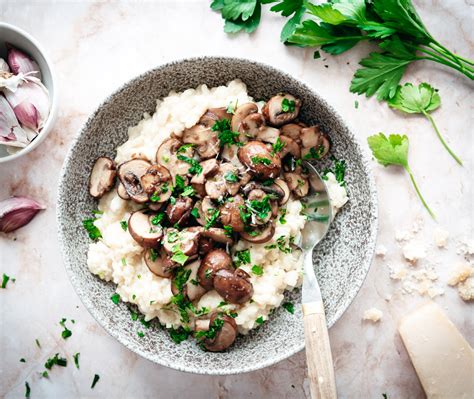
<point>24,42</point>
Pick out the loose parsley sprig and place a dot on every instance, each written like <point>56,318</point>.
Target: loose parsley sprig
<point>420,100</point>
<point>393,150</point>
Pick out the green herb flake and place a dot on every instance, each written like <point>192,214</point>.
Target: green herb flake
<point>66,333</point>
<point>157,219</point>
<point>115,298</point>
<point>195,168</point>
<point>278,146</point>
<point>124,225</point>
<point>282,219</point>
<point>259,320</point>
<point>45,374</point>
<point>55,360</point>
<point>222,303</point>
<point>195,213</point>
<point>188,192</point>
<point>179,335</point>
<point>260,160</point>
<point>37,343</point>
<point>76,359</point>
<point>92,230</point>
<point>22,360</point>
<point>5,280</point>
<point>231,177</point>
<point>228,231</point>
<point>124,262</point>
<point>232,107</point>
<point>140,334</point>
<point>356,104</point>
<point>133,315</point>
<point>153,254</point>
<point>212,219</point>
<point>243,257</point>
<point>288,105</point>
<point>289,307</point>
<point>27,390</point>
<point>211,333</point>
<point>179,257</point>
<point>95,380</point>
<point>155,197</point>
<point>257,270</point>
<point>185,147</point>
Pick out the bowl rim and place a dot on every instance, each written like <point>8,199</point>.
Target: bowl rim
<point>54,97</point>
<point>370,249</point>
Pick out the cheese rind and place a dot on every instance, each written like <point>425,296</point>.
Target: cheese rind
<point>443,359</point>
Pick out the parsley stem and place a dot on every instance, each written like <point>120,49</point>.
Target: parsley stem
<point>430,118</point>
<point>441,49</point>
<point>412,178</point>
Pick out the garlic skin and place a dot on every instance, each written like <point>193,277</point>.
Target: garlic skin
<point>4,66</point>
<point>20,62</point>
<point>15,212</point>
<point>11,133</point>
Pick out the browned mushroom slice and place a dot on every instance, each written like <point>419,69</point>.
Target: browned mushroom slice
<point>167,156</point>
<point>275,191</point>
<point>213,261</point>
<point>156,182</point>
<point>217,234</point>
<point>297,183</point>
<point>155,262</point>
<point>281,109</point>
<point>326,146</point>
<point>316,184</point>
<point>225,336</point>
<point>259,236</point>
<point>122,193</point>
<point>143,231</point>
<point>230,214</point>
<point>241,113</point>
<point>229,173</point>
<point>214,114</point>
<point>185,241</point>
<point>205,209</point>
<point>259,160</point>
<point>268,135</point>
<point>130,173</point>
<point>205,140</point>
<point>191,289</point>
<point>258,195</point>
<point>209,168</point>
<point>202,324</point>
<point>235,287</point>
<point>180,211</point>
<point>310,136</point>
<point>102,177</point>
<point>286,190</point>
<point>216,187</point>
<point>251,126</point>
<point>293,131</point>
<point>290,147</point>
<point>199,189</point>
<point>205,245</point>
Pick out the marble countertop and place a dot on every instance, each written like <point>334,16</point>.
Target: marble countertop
<point>98,46</point>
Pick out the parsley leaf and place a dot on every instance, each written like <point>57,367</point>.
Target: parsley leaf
<point>188,191</point>
<point>195,213</point>
<point>289,307</point>
<point>212,219</point>
<point>179,335</point>
<point>95,380</point>
<point>115,298</point>
<point>288,105</point>
<point>94,232</point>
<point>55,360</point>
<point>231,177</point>
<point>226,136</point>
<point>259,320</point>
<point>278,146</point>
<point>394,151</point>
<point>179,257</point>
<point>27,390</point>
<point>257,270</point>
<point>243,257</point>
<point>124,225</point>
<point>420,100</point>
<point>76,359</point>
<point>66,333</point>
<point>195,168</point>
<point>5,280</point>
<point>260,160</point>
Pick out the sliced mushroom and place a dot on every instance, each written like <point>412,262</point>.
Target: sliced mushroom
<point>122,193</point>
<point>290,147</point>
<point>274,190</point>
<point>185,240</point>
<point>251,126</point>
<point>259,160</point>
<point>205,139</point>
<point>273,109</point>
<point>167,156</point>
<point>293,131</point>
<point>156,263</point>
<point>235,287</point>
<point>214,260</point>
<point>241,113</point>
<point>258,195</point>
<point>229,173</point>
<point>217,234</point>
<point>157,183</point>
<point>130,173</point>
<point>326,145</point>
<point>310,136</point>
<point>191,289</point>
<point>102,177</point>
<point>205,209</point>
<point>216,187</point>
<point>202,324</point>
<point>180,211</point>
<point>297,183</point>
<point>230,214</point>
<point>143,231</point>
<point>259,236</point>
<point>199,189</point>
<point>214,114</point>
<point>268,135</point>
<point>224,337</point>
<point>209,168</point>
<point>282,184</point>
<point>205,245</point>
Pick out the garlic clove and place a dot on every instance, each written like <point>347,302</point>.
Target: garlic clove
<point>27,115</point>
<point>16,212</point>
<point>20,62</point>
<point>4,66</point>
<point>9,81</point>
<point>11,133</point>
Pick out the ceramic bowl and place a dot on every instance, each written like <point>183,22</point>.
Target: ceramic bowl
<point>341,260</point>
<point>25,42</point>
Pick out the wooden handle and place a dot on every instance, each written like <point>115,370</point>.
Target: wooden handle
<point>318,352</point>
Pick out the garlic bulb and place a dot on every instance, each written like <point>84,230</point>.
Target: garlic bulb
<point>16,212</point>
<point>4,66</point>
<point>11,133</point>
<point>20,62</point>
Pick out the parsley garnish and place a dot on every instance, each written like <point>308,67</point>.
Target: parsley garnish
<point>225,135</point>
<point>95,380</point>
<point>221,125</point>
<point>22,360</point>
<point>278,146</point>
<point>115,298</point>
<point>76,359</point>
<point>231,177</point>
<point>268,182</point>
<point>184,147</point>
<point>179,256</point>
<point>157,219</point>
<point>155,197</point>
<point>124,225</point>
<point>94,232</point>
<point>212,219</point>
<point>27,390</point>
<point>5,280</point>
<point>153,254</point>
<point>37,343</point>
<point>141,334</point>
<point>195,213</point>
<point>172,236</point>
<point>282,219</point>
<point>188,191</point>
<point>213,330</point>
<point>133,315</point>
<point>228,231</point>
<point>179,335</point>
<point>232,107</point>
<point>315,153</point>
<point>179,183</point>
<point>289,307</point>
<point>281,245</point>
<point>195,168</point>
<point>243,257</point>
<point>66,333</point>
<point>288,105</point>
<point>222,303</point>
<point>339,171</point>
<point>257,270</point>
<point>55,360</point>
<point>259,320</point>
<point>259,208</point>
<point>257,160</point>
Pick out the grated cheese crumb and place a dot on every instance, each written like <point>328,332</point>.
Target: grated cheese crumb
<point>414,251</point>
<point>373,314</point>
<point>440,237</point>
<point>381,250</point>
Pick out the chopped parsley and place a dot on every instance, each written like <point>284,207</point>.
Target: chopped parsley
<point>278,146</point>
<point>140,334</point>
<point>281,245</point>
<point>195,168</point>
<point>133,315</point>
<point>282,219</point>
<point>5,280</point>
<point>157,219</point>
<point>185,147</point>
<point>222,303</point>
<point>179,335</point>
<point>55,360</point>
<point>115,298</point>
<point>268,182</point>
<point>212,219</point>
<point>257,160</point>
<point>214,328</point>
<point>257,270</point>
<point>289,307</point>
<point>22,360</point>
<point>95,380</point>
<point>228,231</point>
<point>195,213</point>
<point>27,390</point>
<point>226,136</point>
<point>231,177</point>
<point>66,333</point>
<point>232,107</point>
<point>243,257</point>
<point>188,191</point>
<point>179,256</point>
<point>92,230</point>
<point>172,200</point>
<point>315,153</point>
<point>339,171</point>
<point>124,262</point>
<point>37,343</point>
<point>260,320</point>
<point>288,105</point>
<point>179,183</point>
<point>221,125</point>
<point>260,208</point>
<point>124,225</point>
<point>164,188</point>
<point>155,197</point>
<point>172,236</point>
<point>76,359</point>
<point>182,276</point>
<point>153,254</point>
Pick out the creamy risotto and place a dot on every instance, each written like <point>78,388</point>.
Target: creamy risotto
<point>167,282</point>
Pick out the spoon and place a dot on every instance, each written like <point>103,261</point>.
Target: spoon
<point>318,350</point>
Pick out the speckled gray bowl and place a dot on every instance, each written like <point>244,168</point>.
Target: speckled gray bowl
<point>342,259</point>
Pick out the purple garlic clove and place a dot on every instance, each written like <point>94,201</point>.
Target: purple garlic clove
<point>16,212</point>
<point>27,115</point>
<point>20,62</point>
<point>11,133</point>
